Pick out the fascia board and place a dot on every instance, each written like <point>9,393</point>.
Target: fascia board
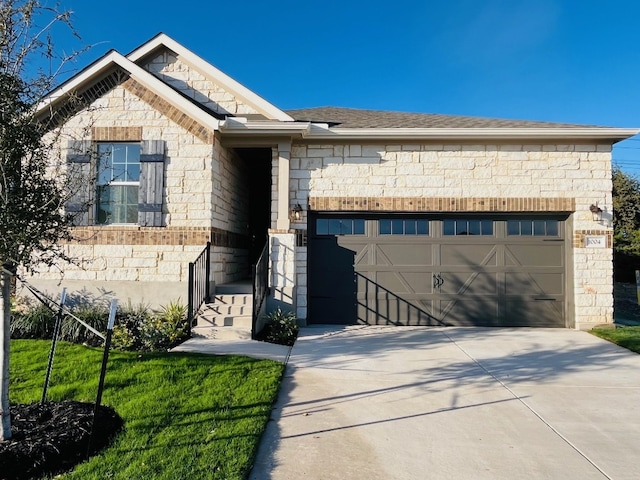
<point>587,133</point>
<point>238,126</point>
<point>139,74</point>
<point>212,72</point>
<point>94,70</point>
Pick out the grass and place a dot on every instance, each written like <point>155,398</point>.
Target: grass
<point>186,415</point>
<point>627,337</point>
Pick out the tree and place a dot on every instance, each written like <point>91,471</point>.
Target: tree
<point>32,196</point>
<point>626,213</point>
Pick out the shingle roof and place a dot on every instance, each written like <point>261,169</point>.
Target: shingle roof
<point>355,118</point>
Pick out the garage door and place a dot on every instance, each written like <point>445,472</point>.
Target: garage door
<point>413,270</point>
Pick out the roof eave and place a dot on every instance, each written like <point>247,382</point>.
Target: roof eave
<point>139,74</point>
<point>587,133</point>
<point>238,127</point>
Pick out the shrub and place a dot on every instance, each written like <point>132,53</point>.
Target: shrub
<point>129,319</point>
<point>96,316</point>
<point>166,329</point>
<point>34,321</point>
<point>137,327</point>
<point>281,328</point>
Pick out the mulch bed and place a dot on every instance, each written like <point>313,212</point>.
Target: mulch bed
<point>52,438</point>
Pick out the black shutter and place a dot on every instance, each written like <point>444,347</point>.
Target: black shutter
<point>151,183</point>
<point>80,181</point>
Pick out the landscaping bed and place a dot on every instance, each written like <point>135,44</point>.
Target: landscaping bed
<point>52,437</point>
<point>184,415</point>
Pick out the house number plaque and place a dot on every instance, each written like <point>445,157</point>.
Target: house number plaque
<point>595,241</point>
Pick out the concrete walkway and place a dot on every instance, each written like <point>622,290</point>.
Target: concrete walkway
<point>454,403</point>
<point>248,348</point>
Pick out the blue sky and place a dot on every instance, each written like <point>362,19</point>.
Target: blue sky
<point>575,61</point>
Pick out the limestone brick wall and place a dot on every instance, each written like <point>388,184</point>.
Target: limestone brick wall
<point>301,281</point>
<point>205,188</point>
<point>581,173</point>
<point>188,163</point>
<point>196,85</point>
<point>230,191</point>
<point>282,273</point>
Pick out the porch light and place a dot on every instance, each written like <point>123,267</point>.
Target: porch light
<point>296,213</point>
<point>596,212</point>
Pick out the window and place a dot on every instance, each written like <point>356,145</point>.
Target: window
<point>400,226</point>
<point>339,226</point>
<point>533,227</point>
<point>118,182</point>
<point>479,226</point>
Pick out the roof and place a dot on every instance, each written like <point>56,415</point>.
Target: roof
<point>338,117</point>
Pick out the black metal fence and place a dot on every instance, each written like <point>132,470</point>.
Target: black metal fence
<point>260,281</point>
<point>199,284</point>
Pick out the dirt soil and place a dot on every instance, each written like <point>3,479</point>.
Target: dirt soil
<point>52,438</point>
<point>625,304</point>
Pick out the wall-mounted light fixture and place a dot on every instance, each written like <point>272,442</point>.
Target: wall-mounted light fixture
<point>295,215</point>
<point>596,212</point>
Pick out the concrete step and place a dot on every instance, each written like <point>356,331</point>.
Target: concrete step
<point>236,287</point>
<point>242,321</point>
<point>227,309</point>
<point>232,299</point>
<point>221,333</point>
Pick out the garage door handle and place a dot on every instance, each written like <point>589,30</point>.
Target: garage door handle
<point>546,299</point>
<point>438,281</point>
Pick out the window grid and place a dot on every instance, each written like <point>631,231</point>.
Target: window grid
<point>398,226</point>
<point>482,227</point>
<point>533,228</point>
<point>339,226</point>
<point>118,181</point>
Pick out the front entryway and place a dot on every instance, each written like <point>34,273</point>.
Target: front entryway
<point>446,270</point>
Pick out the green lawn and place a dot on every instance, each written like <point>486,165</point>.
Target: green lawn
<point>186,416</point>
<point>627,337</point>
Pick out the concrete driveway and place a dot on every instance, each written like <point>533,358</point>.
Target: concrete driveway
<point>454,403</point>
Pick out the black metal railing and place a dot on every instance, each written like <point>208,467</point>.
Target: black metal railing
<point>199,284</point>
<point>260,281</point>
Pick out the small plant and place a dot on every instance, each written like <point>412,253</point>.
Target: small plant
<point>137,327</point>
<point>166,329</point>
<point>33,322</point>
<point>95,316</point>
<point>281,328</point>
<point>123,338</point>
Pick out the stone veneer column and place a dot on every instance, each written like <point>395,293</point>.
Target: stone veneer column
<point>284,155</point>
<point>282,272</point>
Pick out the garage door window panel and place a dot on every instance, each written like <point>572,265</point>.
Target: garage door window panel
<point>399,226</point>
<point>460,226</point>
<point>342,226</point>
<point>533,228</point>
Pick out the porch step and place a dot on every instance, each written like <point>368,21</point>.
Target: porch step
<point>222,320</point>
<point>227,316</point>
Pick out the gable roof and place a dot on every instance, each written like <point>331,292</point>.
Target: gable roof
<point>338,117</point>
<point>324,123</point>
<point>82,82</point>
<point>248,97</point>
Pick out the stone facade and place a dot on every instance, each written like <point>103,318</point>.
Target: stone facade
<point>177,98</point>
<point>205,192</point>
<point>470,178</point>
<point>195,85</point>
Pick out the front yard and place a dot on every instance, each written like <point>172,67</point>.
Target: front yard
<point>185,415</point>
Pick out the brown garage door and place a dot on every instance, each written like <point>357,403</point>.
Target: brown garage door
<point>412,270</point>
